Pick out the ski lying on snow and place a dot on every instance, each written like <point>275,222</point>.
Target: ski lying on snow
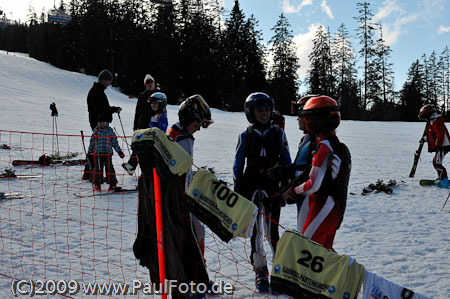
<point>13,195</point>
<point>20,176</point>
<point>10,174</point>
<point>428,182</point>
<point>57,162</point>
<point>118,190</point>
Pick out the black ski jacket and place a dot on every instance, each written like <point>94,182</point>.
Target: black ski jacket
<point>143,112</point>
<point>97,103</point>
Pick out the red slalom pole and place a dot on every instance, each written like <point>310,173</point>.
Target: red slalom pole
<point>159,231</point>
<point>445,202</point>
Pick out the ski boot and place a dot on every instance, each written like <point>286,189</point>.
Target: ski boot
<point>112,187</point>
<point>97,188</point>
<point>444,183</point>
<point>262,279</point>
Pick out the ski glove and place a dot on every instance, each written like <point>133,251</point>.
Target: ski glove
<point>121,155</point>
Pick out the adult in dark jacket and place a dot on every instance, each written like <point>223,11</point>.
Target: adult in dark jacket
<point>142,117</point>
<point>143,113</point>
<point>98,102</point>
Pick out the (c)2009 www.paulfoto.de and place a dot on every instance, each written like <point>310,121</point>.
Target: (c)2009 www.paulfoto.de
<point>72,287</point>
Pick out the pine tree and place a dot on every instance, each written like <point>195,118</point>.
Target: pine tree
<point>445,70</point>
<point>433,79</point>
<point>320,77</point>
<point>32,18</point>
<point>283,72</point>
<point>382,90</point>
<point>239,45</point>
<point>412,95</point>
<point>365,34</point>
<point>346,74</point>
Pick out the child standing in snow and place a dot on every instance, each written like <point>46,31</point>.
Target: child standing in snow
<point>101,146</point>
<point>260,147</point>
<point>438,140</point>
<point>158,102</point>
<point>158,118</point>
<point>194,113</point>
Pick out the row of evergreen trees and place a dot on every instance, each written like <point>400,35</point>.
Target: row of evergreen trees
<point>192,47</point>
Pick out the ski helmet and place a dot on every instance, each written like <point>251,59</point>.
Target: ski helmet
<point>160,98</point>
<point>321,114</point>
<point>257,100</point>
<point>195,108</point>
<point>297,106</point>
<point>426,111</point>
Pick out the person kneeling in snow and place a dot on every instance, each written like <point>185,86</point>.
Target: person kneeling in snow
<point>325,192</point>
<point>100,148</point>
<point>438,140</point>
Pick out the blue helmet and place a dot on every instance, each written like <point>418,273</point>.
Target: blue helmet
<point>257,100</point>
<point>160,98</point>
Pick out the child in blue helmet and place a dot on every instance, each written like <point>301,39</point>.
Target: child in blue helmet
<point>260,147</point>
<point>158,118</point>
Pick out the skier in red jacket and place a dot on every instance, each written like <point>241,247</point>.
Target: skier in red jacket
<point>438,140</point>
<point>324,194</point>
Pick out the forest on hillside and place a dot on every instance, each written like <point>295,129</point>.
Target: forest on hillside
<point>195,46</point>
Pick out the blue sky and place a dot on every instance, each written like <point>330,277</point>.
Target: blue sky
<point>410,27</point>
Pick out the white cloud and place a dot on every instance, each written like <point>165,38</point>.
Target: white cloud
<point>443,29</point>
<point>289,8</point>
<point>304,44</point>
<point>389,7</point>
<point>391,32</point>
<point>394,19</point>
<point>326,9</point>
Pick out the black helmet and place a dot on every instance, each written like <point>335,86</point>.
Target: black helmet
<point>160,98</point>
<point>321,114</point>
<point>257,100</point>
<point>426,111</point>
<point>195,108</point>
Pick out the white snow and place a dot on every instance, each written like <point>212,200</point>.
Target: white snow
<point>403,237</point>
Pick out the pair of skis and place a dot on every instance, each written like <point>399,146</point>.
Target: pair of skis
<point>379,186</point>
<point>117,190</point>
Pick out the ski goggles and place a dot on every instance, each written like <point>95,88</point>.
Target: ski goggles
<point>206,123</point>
<point>156,97</point>
<point>264,102</point>
<point>296,108</point>
<point>321,110</point>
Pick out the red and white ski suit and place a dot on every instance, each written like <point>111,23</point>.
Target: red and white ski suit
<point>438,140</point>
<point>319,215</point>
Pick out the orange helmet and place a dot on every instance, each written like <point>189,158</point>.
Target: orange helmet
<point>321,114</point>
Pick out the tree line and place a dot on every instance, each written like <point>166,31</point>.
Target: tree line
<point>194,47</point>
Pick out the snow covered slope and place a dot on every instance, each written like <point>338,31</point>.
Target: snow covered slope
<point>403,237</point>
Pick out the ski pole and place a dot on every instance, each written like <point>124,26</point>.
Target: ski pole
<point>445,202</point>
<point>55,126</point>
<point>159,230</point>
<point>128,147</point>
<point>84,148</point>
